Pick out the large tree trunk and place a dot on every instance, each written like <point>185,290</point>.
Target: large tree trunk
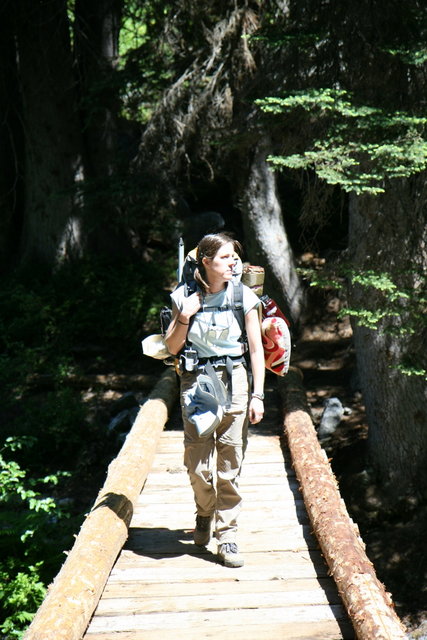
<point>265,233</point>
<point>96,37</point>
<point>389,234</point>
<point>11,137</point>
<point>96,41</point>
<point>51,226</point>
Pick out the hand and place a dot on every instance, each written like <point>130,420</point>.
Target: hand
<point>191,305</point>
<point>256,410</point>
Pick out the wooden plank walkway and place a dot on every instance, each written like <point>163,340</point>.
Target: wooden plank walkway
<point>163,587</point>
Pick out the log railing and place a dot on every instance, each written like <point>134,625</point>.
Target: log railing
<point>73,596</point>
<point>368,605</point>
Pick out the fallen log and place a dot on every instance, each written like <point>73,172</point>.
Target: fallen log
<point>368,605</point>
<point>72,598</point>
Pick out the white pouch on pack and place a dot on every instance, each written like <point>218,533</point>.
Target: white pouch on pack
<point>155,347</point>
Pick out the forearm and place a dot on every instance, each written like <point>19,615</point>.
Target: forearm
<point>256,402</point>
<point>256,351</point>
<point>176,334</point>
<point>258,370</point>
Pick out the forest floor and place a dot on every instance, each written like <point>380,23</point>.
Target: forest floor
<point>395,540</point>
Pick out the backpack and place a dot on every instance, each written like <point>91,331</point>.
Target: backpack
<point>155,346</point>
<point>190,286</point>
<point>275,333</point>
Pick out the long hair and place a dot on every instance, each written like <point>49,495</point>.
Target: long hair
<point>208,247</point>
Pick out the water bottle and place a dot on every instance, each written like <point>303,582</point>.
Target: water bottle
<point>271,310</point>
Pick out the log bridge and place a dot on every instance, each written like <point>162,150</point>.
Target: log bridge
<point>134,572</point>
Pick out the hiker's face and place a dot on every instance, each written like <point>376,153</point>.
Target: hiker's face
<point>221,265</point>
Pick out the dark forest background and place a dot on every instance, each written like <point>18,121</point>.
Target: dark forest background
<point>298,126</point>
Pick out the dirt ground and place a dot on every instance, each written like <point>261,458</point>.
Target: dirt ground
<point>395,542</point>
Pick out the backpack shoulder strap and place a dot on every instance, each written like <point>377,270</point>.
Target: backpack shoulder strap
<point>236,305</point>
<point>238,309</point>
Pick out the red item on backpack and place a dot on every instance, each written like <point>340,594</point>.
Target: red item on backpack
<point>270,309</point>
<point>276,341</point>
<point>276,338</point>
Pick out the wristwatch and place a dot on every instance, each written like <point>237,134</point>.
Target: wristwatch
<point>260,396</point>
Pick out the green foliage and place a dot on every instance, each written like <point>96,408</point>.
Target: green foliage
<point>31,520</point>
<point>409,370</point>
<point>372,318</point>
<point>273,40</point>
<point>133,32</point>
<point>396,311</point>
<point>416,56</point>
<point>26,506</point>
<point>361,146</point>
<point>146,59</point>
<point>392,301</point>
<point>21,593</point>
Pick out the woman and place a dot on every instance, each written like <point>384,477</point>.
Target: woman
<point>206,320</point>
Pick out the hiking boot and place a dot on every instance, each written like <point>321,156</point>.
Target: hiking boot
<point>229,555</point>
<point>202,532</point>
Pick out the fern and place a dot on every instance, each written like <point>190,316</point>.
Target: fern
<point>27,517</point>
<point>20,597</point>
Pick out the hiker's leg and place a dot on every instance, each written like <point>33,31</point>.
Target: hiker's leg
<point>198,458</point>
<point>231,445</point>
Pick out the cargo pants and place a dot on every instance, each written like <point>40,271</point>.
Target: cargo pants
<point>218,493</point>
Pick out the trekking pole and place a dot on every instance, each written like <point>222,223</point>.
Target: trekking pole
<point>180,258</point>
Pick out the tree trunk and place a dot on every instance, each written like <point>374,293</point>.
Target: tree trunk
<point>265,233</point>
<point>51,226</point>
<point>388,233</point>
<point>96,40</point>
<point>11,141</point>
<point>96,35</point>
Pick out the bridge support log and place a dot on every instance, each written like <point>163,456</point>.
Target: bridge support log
<point>73,596</point>
<point>368,605</point>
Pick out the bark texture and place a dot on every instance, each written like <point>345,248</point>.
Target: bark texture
<point>96,38</point>
<point>52,225</point>
<point>11,140</point>
<point>73,596</point>
<point>368,605</point>
<point>265,232</point>
<point>395,402</point>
